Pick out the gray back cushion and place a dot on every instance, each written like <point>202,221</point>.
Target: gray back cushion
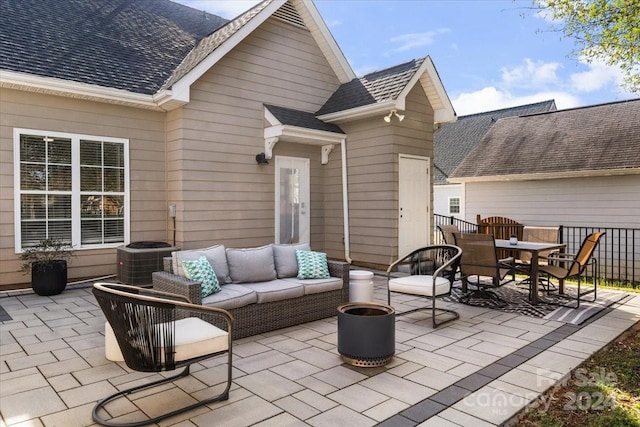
<point>285,259</point>
<point>216,255</point>
<point>251,265</point>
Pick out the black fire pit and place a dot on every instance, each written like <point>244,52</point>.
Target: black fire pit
<point>366,334</point>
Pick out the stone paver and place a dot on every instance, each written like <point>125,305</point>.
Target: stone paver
<point>479,370</point>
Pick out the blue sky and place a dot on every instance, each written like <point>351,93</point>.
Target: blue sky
<point>489,54</point>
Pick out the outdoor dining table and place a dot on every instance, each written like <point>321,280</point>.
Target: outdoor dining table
<point>534,248</point>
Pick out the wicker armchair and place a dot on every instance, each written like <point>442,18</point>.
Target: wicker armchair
<point>157,331</point>
<point>422,272</point>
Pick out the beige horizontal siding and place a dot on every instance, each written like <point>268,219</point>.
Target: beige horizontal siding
<point>221,194</point>
<point>143,128</point>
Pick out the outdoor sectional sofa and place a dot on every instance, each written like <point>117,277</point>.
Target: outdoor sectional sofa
<point>259,286</point>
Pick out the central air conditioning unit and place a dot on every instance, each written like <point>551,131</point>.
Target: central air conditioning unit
<point>138,260</point>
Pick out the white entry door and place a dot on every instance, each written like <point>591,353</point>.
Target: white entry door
<point>292,200</point>
<point>413,203</point>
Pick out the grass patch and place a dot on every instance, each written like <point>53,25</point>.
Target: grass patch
<point>604,391</point>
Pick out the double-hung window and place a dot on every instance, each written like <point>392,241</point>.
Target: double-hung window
<point>71,187</point>
<point>454,205</point>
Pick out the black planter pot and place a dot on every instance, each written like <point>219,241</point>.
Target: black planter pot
<point>49,278</point>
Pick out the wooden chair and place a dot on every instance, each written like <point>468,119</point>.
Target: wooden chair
<point>158,331</point>
<point>424,271</point>
<point>565,266</point>
<point>480,259</point>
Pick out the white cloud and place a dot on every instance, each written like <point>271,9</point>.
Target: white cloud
<point>413,40</point>
<point>531,73</point>
<point>492,98</point>
<point>598,76</point>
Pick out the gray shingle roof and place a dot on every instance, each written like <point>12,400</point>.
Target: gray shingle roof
<point>302,119</point>
<point>123,44</point>
<point>379,86</point>
<point>594,138</point>
<point>455,140</point>
<point>213,41</point>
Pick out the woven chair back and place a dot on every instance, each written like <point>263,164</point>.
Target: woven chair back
<point>144,329</point>
<point>479,256</point>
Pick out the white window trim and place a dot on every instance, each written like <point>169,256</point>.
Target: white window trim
<point>75,186</point>
<point>459,205</point>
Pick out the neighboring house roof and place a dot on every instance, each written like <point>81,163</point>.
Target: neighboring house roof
<point>129,45</point>
<point>145,53</point>
<point>588,141</point>
<point>302,119</point>
<point>386,90</point>
<point>454,141</point>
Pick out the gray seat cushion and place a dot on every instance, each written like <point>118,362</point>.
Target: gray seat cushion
<point>276,290</point>
<point>231,296</point>
<point>285,259</point>
<point>315,286</point>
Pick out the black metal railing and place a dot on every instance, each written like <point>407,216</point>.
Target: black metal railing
<point>618,253</point>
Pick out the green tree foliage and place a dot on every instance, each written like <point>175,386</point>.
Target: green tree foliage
<point>603,30</point>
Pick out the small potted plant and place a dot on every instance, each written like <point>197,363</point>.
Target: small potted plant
<point>47,261</point>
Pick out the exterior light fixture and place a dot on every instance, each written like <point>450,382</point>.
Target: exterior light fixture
<point>261,159</point>
<point>387,118</point>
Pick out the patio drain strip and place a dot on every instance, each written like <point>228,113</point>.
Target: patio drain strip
<point>433,405</point>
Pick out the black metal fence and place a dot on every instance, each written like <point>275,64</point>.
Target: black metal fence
<point>618,253</point>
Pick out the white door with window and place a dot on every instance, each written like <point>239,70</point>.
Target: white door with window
<point>292,200</point>
<point>413,203</point>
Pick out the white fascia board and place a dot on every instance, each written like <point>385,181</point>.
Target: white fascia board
<point>542,176</point>
<point>60,87</point>
<point>315,137</point>
<point>319,29</point>
<point>440,115</point>
<point>370,110</point>
<point>181,88</point>
<point>269,117</point>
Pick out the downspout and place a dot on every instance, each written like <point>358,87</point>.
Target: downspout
<point>345,201</point>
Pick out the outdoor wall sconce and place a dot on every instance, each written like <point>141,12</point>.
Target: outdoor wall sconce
<point>387,118</point>
<point>261,159</point>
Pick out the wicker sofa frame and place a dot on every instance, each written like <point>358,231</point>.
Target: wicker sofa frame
<point>254,319</point>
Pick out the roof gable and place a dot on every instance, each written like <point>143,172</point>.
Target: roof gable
<point>386,90</point>
<point>145,53</point>
<point>594,140</point>
<point>454,141</point>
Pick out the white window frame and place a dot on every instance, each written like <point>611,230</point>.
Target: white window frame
<point>75,186</point>
<point>459,205</point>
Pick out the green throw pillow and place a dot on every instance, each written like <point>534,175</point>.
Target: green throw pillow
<point>201,271</point>
<point>312,265</point>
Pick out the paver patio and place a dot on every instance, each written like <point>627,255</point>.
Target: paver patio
<point>480,370</point>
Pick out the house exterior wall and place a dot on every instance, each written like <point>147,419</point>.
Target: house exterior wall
<point>373,147</point>
<point>441,195</point>
<point>607,201</point>
<point>145,131</point>
<point>222,196</point>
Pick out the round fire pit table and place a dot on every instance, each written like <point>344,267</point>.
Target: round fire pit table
<point>366,334</point>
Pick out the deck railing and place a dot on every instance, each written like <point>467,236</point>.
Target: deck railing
<point>618,253</point>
